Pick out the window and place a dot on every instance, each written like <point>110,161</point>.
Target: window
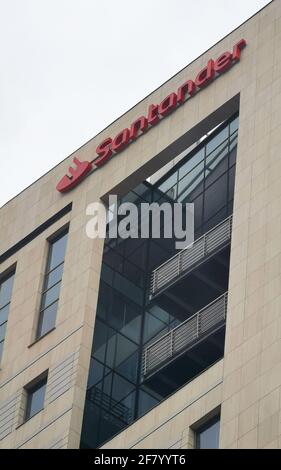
<point>35,397</point>
<point>6,287</point>
<point>207,437</point>
<point>52,284</point>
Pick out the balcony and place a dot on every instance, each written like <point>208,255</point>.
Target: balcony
<point>183,262</point>
<point>188,334</point>
<point>114,408</point>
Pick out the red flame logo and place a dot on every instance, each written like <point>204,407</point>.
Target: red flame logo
<point>77,174</point>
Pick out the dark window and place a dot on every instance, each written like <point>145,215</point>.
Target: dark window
<point>35,397</point>
<point>207,437</point>
<point>6,287</point>
<point>52,284</point>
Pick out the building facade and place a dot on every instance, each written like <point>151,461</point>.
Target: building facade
<point>132,343</point>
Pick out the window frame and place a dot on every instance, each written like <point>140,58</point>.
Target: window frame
<point>51,240</point>
<point>30,389</point>
<point>7,274</point>
<point>206,425</point>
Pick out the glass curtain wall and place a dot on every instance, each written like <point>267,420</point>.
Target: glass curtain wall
<point>126,320</point>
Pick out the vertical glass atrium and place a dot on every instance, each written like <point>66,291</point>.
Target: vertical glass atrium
<point>161,313</point>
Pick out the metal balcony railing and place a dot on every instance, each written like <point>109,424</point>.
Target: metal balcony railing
<point>108,404</point>
<point>174,342</point>
<point>168,273</point>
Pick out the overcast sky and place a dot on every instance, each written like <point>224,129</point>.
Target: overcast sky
<point>70,67</point>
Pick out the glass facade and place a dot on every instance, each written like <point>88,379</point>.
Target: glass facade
<point>6,287</point>
<point>128,320</point>
<point>206,178</point>
<point>52,284</point>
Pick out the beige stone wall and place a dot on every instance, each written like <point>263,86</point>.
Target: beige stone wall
<point>251,370</point>
<point>252,364</point>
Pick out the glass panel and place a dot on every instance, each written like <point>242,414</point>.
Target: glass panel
<point>192,181</point>
<point>125,408</point>
<point>198,213</point>
<point>131,197</point>
<point>233,141</point>
<point>1,349</point>
<point>137,253</point>
<point>104,301</point>
<point>216,164</point>
<point>99,342</point>
<point>191,163</point>
<point>143,191</point>
<point>57,252</point>
<point>208,438</point>
<point>109,426</point>
<point>35,399</point>
<point>216,219</point>
<point>126,317</point>
<point>129,368</point>
<point>107,385</point>
<point>125,348</point>
<point>54,277</point>
<point>107,274</point>
<point>89,438</point>
<point>4,314</point>
<point>120,388</point>
<point>231,181</point>
<point>124,286</point>
<point>95,373</point>
<point>3,331</point>
<point>6,291</point>
<point>217,140</point>
<point>146,402</point>
<point>159,312</point>
<point>50,296</point>
<point>230,207</point>
<point>113,259</point>
<point>232,155</point>
<point>111,347</point>
<point>132,328</point>
<point>234,125</point>
<point>215,197</point>
<point>156,255</point>
<point>152,326</point>
<point>47,319</point>
<point>172,193</point>
<point>135,247</point>
<point>133,273</point>
<point>168,183</point>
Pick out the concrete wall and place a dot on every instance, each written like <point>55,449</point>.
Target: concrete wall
<point>247,383</point>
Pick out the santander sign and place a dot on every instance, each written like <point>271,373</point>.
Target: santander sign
<point>155,113</point>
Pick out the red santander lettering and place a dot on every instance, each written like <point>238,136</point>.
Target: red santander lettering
<point>104,152</point>
<point>140,125</point>
<point>168,104</point>
<point>155,113</point>
<point>121,140</point>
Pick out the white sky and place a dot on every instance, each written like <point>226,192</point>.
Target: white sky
<point>70,67</point>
